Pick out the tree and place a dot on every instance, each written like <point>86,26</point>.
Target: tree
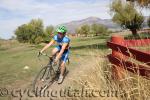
<point>49,29</point>
<point>148,22</point>
<point>94,28</point>
<point>126,15</point>
<point>85,29</point>
<point>36,29</point>
<point>30,32</point>
<point>22,33</point>
<point>98,29</point>
<point>48,33</point>
<point>143,3</point>
<point>78,31</point>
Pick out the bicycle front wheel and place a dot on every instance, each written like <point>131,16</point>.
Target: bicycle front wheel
<point>43,79</point>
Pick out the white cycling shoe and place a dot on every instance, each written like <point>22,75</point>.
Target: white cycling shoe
<point>60,80</point>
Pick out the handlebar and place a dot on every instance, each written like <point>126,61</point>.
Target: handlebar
<point>44,54</point>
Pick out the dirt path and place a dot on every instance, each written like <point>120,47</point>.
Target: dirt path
<point>71,83</point>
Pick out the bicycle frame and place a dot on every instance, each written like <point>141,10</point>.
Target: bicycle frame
<point>51,63</point>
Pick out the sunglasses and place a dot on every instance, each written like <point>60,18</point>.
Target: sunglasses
<point>60,33</point>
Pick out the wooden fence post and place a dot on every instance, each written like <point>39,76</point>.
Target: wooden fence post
<point>118,71</point>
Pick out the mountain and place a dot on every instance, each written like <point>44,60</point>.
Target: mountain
<point>73,25</point>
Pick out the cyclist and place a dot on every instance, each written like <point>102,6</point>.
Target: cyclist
<point>61,50</point>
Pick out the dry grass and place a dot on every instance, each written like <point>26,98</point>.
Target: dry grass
<point>98,76</point>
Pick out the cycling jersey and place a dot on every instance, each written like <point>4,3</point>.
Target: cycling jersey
<point>60,42</point>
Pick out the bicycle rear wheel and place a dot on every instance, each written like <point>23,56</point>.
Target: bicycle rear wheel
<point>43,79</point>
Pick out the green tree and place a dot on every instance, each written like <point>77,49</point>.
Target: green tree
<point>94,29</point>
<point>49,29</point>
<point>98,29</point>
<point>29,32</point>
<point>48,33</point>
<point>148,22</point>
<point>78,31</point>
<point>85,30</point>
<point>36,29</point>
<point>126,15</point>
<point>22,33</point>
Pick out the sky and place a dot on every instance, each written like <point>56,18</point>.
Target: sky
<point>14,13</point>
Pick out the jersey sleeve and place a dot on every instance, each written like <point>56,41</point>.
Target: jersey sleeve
<point>66,40</point>
<point>55,38</point>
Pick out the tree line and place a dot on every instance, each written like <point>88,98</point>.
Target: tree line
<point>94,29</point>
<point>35,33</point>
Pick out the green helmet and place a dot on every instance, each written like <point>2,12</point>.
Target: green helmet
<point>61,29</point>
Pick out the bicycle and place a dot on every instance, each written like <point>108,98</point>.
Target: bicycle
<point>48,74</point>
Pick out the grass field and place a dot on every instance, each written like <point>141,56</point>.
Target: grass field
<point>15,56</point>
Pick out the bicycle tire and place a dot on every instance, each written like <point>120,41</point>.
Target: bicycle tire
<point>44,73</point>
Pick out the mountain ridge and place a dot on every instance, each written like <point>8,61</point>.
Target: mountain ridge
<point>73,25</point>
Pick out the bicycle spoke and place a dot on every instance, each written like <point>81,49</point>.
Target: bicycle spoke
<point>43,74</point>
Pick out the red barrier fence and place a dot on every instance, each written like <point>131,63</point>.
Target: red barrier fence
<point>120,55</point>
<point>141,42</point>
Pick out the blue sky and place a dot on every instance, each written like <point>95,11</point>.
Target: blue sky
<point>17,12</point>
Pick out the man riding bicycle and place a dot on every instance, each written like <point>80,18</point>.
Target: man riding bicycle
<point>61,50</point>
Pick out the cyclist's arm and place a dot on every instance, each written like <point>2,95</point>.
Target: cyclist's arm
<point>48,45</point>
<point>61,51</point>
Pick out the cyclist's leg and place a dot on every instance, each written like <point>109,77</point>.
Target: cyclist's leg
<point>62,68</point>
<point>64,59</point>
